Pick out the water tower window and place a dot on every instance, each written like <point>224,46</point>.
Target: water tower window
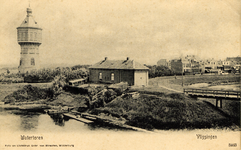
<point>19,36</point>
<point>35,36</point>
<point>31,50</point>
<point>23,36</point>
<point>32,62</point>
<point>26,36</point>
<point>31,36</point>
<point>25,50</point>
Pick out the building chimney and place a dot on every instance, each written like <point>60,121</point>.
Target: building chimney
<point>127,58</point>
<point>106,58</point>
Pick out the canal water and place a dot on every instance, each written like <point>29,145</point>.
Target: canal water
<point>14,123</point>
<point>20,121</point>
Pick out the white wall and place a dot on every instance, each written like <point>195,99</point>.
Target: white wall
<point>141,78</point>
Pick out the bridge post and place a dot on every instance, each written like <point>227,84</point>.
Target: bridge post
<point>220,103</point>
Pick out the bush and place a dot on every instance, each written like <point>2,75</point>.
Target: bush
<point>48,75</point>
<point>157,71</point>
<point>58,84</point>
<point>11,78</point>
<point>29,93</point>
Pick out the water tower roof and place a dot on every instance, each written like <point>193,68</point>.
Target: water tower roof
<point>29,20</point>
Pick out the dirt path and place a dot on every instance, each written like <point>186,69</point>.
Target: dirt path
<point>170,89</point>
<point>165,83</point>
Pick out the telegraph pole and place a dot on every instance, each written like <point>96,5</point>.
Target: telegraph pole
<point>182,72</point>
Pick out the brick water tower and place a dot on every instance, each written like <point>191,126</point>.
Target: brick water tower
<point>29,38</point>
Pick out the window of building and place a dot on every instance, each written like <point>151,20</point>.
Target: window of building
<point>112,76</point>
<point>25,50</point>
<point>32,62</point>
<point>23,37</point>
<point>31,50</point>
<point>100,76</point>
<point>35,36</point>
<point>19,36</point>
<point>26,36</point>
<point>20,62</point>
<point>31,36</point>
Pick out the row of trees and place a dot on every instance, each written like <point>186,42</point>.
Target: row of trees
<point>47,75</point>
<point>157,71</point>
<point>11,77</point>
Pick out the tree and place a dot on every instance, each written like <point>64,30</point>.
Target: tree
<point>58,84</point>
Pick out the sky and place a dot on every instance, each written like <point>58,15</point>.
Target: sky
<point>86,31</point>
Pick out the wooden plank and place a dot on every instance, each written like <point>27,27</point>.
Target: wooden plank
<point>78,119</point>
<point>114,122</point>
<point>89,117</point>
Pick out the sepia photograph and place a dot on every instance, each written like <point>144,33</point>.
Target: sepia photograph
<point>120,75</point>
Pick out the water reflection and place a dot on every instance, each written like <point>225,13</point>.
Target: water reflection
<point>58,119</point>
<point>29,122</point>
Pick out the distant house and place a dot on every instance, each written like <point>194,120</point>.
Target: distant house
<point>176,66</point>
<point>116,71</point>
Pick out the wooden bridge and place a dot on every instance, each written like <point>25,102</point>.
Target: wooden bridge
<point>219,95</point>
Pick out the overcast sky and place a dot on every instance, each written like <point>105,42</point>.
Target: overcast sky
<point>86,31</point>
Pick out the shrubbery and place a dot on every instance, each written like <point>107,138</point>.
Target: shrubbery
<point>47,75</point>
<point>157,71</point>
<point>29,93</point>
<point>11,78</point>
<point>58,84</point>
<point>166,112</point>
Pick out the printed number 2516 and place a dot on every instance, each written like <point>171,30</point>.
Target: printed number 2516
<point>232,144</point>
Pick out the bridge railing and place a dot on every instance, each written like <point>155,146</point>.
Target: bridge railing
<point>208,92</point>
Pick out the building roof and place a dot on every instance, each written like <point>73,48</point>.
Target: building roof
<point>29,20</point>
<point>119,64</point>
<point>233,58</point>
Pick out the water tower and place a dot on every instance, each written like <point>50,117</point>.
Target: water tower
<point>29,38</point>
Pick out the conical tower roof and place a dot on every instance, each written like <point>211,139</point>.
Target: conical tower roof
<point>29,20</point>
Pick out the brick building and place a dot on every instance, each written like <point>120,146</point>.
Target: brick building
<point>116,71</point>
<point>176,66</point>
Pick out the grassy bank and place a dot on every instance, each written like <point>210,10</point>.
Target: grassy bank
<point>140,108</point>
<point>192,79</point>
<point>164,111</point>
<point>229,108</point>
<point>176,83</point>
